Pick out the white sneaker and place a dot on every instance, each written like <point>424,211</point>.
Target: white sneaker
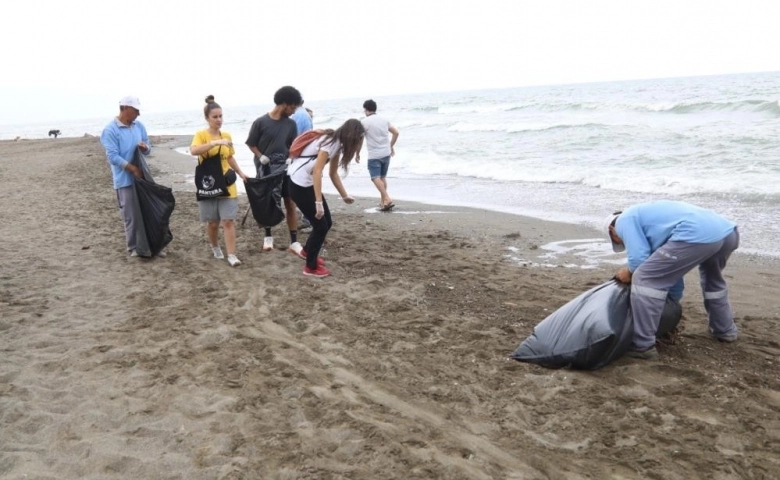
<point>133,253</point>
<point>297,249</point>
<point>217,252</point>
<point>162,254</point>
<point>233,261</point>
<point>268,244</point>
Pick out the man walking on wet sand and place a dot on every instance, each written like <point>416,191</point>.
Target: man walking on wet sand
<point>380,141</point>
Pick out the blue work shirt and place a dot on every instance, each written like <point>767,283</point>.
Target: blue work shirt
<point>120,142</point>
<point>645,227</point>
<point>302,120</point>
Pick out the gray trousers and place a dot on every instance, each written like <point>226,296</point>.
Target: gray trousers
<point>125,197</point>
<point>652,280</point>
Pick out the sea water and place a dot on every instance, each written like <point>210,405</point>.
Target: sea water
<point>571,153</point>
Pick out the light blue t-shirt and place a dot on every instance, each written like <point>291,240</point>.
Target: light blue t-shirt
<point>645,227</point>
<point>120,142</point>
<point>302,120</point>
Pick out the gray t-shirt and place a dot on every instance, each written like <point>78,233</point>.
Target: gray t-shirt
<point>272,137</point>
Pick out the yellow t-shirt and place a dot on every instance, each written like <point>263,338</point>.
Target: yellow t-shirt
<point>203,137</point>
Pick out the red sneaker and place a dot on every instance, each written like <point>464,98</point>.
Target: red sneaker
<point>320,261</point>
<point>320,272</point>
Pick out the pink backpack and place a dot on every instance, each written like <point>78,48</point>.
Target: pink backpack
<point>302,140</point>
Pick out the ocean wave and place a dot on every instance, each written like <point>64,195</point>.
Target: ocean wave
<point>771,107</point>
<point>527,127</point>
<point>424,109</point>
<point>480,108</point>
<point>764,106</point>
<point>637,175</point>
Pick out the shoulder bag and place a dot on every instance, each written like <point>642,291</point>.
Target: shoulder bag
<point>209,179</point>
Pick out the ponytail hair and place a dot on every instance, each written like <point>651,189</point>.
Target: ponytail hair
<point>210,105</point>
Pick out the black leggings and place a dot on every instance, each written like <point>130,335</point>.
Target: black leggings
<point>304,198</point>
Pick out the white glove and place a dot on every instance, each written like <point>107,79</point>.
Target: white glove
<point>320,210</point>
<point>288,162</point>
<point>347,199</point>
<point>264,160</point>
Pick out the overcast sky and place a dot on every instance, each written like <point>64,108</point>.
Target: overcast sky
<point>75,59</point>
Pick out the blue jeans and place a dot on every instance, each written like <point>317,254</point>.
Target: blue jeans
<point>377,167</point>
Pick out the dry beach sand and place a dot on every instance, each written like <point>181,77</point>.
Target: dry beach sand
<point>394,368</point>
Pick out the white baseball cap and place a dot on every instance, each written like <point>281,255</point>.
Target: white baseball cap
<point>616,247</point>
<point>130,101</point>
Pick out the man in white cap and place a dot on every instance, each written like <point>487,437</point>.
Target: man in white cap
<point>663,241</point>
<point>120,138</point>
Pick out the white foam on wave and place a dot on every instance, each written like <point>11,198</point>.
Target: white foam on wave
<point>671,177</point>
<point>478,108</point>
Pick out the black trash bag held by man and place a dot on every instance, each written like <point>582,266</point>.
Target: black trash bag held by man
<point>154,205</point>
<point>265,198</point>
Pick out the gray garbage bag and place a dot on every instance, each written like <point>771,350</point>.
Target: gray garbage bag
<point>587,333</point>
<point>590,331</point>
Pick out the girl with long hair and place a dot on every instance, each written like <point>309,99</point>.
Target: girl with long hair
<point>334,148</point>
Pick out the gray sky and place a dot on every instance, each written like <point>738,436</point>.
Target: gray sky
<point>75,59</point>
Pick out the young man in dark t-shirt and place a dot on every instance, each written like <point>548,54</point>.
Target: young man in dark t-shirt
<point>269,140</point>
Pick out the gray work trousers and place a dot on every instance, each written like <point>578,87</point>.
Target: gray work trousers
<point>652,280</point>
<point>125,197</point>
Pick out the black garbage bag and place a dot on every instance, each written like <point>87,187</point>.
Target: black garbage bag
<point>587,333</point>
<point>265,198</point>
<point>670,318</point>
<point>154,205</point>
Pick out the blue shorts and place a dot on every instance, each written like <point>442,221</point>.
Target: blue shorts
<point>377,167</point>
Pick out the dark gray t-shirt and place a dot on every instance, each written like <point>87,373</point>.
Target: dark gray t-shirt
<point>272,137</point>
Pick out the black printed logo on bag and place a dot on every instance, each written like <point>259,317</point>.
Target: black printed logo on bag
<point>209,178</point>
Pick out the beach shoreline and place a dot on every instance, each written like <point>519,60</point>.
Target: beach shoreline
<point>178,172</point>
<point>395,367</point>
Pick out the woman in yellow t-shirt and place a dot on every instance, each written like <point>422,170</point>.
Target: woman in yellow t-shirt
<point>205,143</point>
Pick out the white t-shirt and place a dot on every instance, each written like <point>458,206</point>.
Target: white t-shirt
<point>301,168</point>
<point>377,136</point>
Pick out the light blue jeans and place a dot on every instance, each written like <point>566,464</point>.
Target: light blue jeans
<point>377,167</point>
